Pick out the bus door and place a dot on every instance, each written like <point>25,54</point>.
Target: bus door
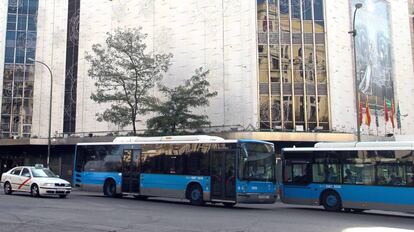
<point>223,175</point>
<point>296,180</point>
<point>130,170</point>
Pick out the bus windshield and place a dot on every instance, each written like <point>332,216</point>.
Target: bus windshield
<point>258,162</point>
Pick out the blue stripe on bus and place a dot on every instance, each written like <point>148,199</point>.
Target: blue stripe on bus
<point>177,182</point>
<point>255,187</point>
<point>354,193</point>
<point>96,178</point>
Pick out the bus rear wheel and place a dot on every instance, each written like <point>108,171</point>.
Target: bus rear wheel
<point>331,201</point>
<point>196,195</point>
<point>110,188</point>
<point>228,204</point>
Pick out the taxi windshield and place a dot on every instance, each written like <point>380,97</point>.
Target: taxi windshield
<point>42,172</point>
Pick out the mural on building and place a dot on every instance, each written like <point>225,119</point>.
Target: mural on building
<point>373,52</point>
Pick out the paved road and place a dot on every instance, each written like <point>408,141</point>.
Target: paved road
<point>93,212</point>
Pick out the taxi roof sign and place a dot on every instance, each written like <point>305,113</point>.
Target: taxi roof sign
<point>39,166</point>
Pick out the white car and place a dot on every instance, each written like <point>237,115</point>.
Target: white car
<point>34,180</point>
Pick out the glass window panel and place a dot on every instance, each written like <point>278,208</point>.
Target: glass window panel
<point>6,106</point>
<point>391,174</point>
<point>299,114</point>
<point>7,89</point>
<point>307,10</point>
<point>19,72</point>
<point>21,40</point>
<point>311,109</point>
<point>276,111</point>
<point>17,106</point>
<point>11,22</point>
<point>12,6</point>
<point>9,55</point>
<point>264,112</point>
<point>263,63</point>
<point>288,112</point>
<point>264,76</point>
<point>318,8</point>
<point>318,172</point>
<point>286,54</point>
<point>287,78</point>
<point>320,27</point>
<point>363,174</point>
<point>20,55</point>
<point>29,73</point>
<point>321,76</point>
<point>295,9</point>
<point>275,77</point>
<point>323,109</point>
<point>284,15</point>
<point>18,89</point>
<point>320,57</point>
<point>31,24</point>
<point>5,123</point>
<point>30,54</point>
<point>308,27</point>
<point>8,72</point>
<point>33,4</point>
<point>23,6</point>
<point>22,22</point>
<point>27,120</point>
<point>28,89</point>
<point>10,39</point>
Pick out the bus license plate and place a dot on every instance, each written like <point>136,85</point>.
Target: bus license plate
<point>264,196</point>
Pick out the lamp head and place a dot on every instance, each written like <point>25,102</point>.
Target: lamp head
<point>358,5</point>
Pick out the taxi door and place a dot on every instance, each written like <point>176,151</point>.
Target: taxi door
<point>15,178</point>
<point>25,180</point>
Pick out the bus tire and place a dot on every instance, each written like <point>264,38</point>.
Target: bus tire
<point>195,194</point>
<point>331,201</point>
<point>109,188</point>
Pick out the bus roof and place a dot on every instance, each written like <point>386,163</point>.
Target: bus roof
<point>352,146</point>
<point>170,140</point>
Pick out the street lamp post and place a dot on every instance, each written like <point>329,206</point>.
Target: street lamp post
<point>50,110</point>
<point>354,33</point>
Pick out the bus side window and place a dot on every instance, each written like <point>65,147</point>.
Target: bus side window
<point>296,173</point>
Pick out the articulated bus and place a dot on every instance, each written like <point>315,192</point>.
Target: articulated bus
<point>198,168</point>
<point>350,176</point>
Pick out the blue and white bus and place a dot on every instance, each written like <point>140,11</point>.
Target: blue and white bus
<point>351,176</point>
<point>198,168</point>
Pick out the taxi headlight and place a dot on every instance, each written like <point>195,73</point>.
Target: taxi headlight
<point>48,184</point>
<point>67,185</point>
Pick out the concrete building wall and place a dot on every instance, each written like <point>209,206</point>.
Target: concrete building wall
<point>341,76</point>
<point>51,49</point>
<point>216,35</point>
<point>3,24</point>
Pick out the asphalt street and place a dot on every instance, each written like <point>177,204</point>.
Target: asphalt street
<point>94,212</point>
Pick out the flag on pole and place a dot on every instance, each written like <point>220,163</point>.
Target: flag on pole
<point>360,113</point>
<point>398,116</point>
<point>367,113</point>
<point>385,111</point>
<point>376,116</point>
<point>392,114</point>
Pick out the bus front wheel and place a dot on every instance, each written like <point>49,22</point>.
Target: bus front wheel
<point>331,201</point>
<point>196,195</point>
<point>110,188</point>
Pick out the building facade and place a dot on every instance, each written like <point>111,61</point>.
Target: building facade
<point>278,66</point>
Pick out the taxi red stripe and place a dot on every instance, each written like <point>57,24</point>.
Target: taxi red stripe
<point>20,186</point>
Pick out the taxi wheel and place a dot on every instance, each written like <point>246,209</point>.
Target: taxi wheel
<point>7,188</point>
<point>34,190</point>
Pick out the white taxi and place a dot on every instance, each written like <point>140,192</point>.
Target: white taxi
<point>34,180</point>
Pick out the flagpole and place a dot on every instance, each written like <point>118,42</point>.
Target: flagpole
<point>376,114</point>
